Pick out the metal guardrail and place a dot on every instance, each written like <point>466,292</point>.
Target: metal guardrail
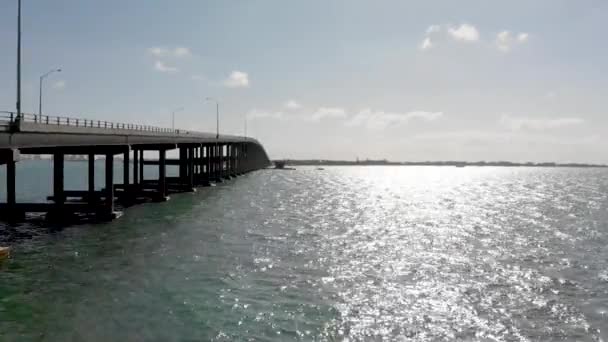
<point>12,118</point>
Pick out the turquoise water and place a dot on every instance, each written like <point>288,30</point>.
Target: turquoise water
<point>345,253</point>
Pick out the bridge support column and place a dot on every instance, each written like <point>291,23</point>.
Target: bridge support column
<point>125,169</point>
<point>10,212</point>
<point>206,165</point>
<point>199,166</point>
<point>209,161</point>
<point>135,167</point>
<point>57,213</point>
<point>235,159</point>
<point>11,175</point>
<point>228,162</point>
<point>191,167</point>
<point>225,162</point>
<point>213,163</point>
<point>141,167</point>
<point>106,211</point>
<point>217,163</point>
<point>239,162</point>
<point>195,163</point>
<point>58,188</point>
<point>128,196</point>
<point>233,170</point>
<point>183,153</point>
<point>244,158</point>
<point>162,176</point>
<point>91,179</point>
<point>186,169</point>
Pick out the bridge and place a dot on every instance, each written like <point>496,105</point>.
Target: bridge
<point>204,158</point>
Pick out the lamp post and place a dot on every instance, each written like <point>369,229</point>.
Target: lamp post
<point>217,115</point>
<point>173,116</point>
<point>19,59</point>
<point>40,92</point>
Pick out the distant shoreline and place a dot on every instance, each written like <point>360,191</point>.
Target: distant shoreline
<point>293,162</point>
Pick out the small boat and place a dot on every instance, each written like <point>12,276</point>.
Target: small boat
<point>320,168</point>
<point>5,253</point>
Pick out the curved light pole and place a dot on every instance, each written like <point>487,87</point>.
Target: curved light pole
<point>40,93</point>
<point>217,115</point>
<point>173,116</point>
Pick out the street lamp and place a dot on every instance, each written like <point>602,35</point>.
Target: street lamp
<point>217,115</point>
<point>19,59</point>
<point>40,93</point>
<point>173,116</point>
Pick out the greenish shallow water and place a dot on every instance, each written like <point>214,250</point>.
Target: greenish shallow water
<point>346,253</point>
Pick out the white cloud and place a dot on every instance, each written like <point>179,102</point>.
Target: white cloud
<point>527,123</point>
<point>328,112</point>
<point>381,120</point>
<point>158,51</point>
<point>465,33</point>
<point>59,85</point>
<point>166,52</point>
<point>505,40</point>
<point>237,79</point>
<point>162,67</point>
<point>262,114</point>
<point>523,37</point>
<point>198,77</point>
<point>292,105</point>
<point>433,29</point>
<point>182,52</point>
<point>426,44</point>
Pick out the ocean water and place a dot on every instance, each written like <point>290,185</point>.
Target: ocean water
<point>341,254</point>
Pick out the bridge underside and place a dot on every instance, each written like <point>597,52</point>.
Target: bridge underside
<point>203,159</point>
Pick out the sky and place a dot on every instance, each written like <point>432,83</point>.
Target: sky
<point>401,80</point>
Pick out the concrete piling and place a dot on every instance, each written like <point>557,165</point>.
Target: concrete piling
<point>199,165</point>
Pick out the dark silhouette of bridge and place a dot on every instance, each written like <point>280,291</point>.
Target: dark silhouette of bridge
<point>204,158</point>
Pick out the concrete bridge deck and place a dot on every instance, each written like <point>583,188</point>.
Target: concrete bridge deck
<point>203,158</point>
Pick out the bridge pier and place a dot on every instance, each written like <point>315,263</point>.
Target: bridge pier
<point>191,168</point>
<point>162,176</point>
<point>88,201</point>
<point>10,212</point>
<point>185,180</point>
<point>58,184</point>
<point>141,166</point>
<point>233,160</point>
<point>217,171</point>
<point>228,162</point>
<point>106,211</point>
<point>11,192</point>
<point>200,173</point>
<point>91,175</point>
<point>135,167</point>
<point>204,158</point>
<point>126,162</point>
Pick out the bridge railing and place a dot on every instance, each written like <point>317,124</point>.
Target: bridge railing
<point>13,118</point>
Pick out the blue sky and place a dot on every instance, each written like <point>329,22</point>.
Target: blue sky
<point>403,80</point>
